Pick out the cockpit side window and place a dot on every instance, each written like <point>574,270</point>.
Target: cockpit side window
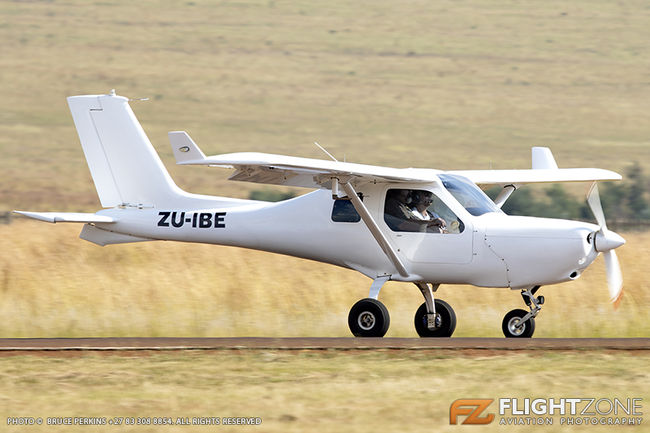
<point>414,210</point>
<point>343,211</point>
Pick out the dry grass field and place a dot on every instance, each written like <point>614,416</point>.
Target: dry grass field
<point>306,391</point>
<point>53,284</point>
<point>445,84</point>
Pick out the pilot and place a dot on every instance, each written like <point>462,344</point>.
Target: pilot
<point>397,213</point>
<point>421,200</point>
<point>400,216</point>
<point>397,204</point>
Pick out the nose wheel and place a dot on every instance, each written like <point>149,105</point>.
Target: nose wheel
<point>513,325</point>
<point>520,323</point>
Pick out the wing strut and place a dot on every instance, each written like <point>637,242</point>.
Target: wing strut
<point>504,194</point>
<point>381,239</point>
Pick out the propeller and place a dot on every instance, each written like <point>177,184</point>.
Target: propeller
<point>606,241</point>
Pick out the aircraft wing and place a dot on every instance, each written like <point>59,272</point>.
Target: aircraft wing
<point>290,170</point>
<point>311,173</point>
<point>535,175</point>
<point>544,169</point>
<point>317,173</point>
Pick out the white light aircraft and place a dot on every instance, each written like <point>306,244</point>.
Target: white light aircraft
<point>422,226</point>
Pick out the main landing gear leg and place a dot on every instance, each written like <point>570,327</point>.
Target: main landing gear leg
<point>521,324</point>
<point>369,317</point>
<point>434,318</point>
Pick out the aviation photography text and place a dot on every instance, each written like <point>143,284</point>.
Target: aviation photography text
<point>574,411</point>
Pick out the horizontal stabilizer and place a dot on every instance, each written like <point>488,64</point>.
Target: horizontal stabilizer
<point>185,149</point>
<point>67,217</point>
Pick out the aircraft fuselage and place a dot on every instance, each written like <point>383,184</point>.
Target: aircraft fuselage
<point>493,250</point>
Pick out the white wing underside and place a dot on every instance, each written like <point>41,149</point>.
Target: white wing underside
<point>522,177</point>
<point>311,173</point>
<point>315,173</point>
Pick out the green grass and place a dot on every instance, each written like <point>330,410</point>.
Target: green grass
<point>327,391</point>
<point>444,85</point>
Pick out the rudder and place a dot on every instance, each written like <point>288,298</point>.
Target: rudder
<point>124,165</point>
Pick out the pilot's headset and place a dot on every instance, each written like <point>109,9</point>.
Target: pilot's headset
<point>411,198</point>
<point>417,197</point>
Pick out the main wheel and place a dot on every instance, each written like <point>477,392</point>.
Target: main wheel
<point>513,328</point>
<point>368,318</point>
<point>447,320</point>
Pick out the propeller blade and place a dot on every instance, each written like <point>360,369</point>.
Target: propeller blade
<point>614,277</point>
<point>593,198</point>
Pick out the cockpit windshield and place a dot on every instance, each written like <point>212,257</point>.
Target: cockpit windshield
<point>468,194</point>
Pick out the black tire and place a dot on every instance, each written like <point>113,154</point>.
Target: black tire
<point>368,318</point>
<point>447,320</point>
<point>509,328</point>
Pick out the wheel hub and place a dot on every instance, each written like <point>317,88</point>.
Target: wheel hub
<point>433,321</point>
<point>366,320</point>
<point>515,326</point>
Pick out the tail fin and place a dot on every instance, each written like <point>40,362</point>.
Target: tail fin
<point>124,165</point>
<point>543,159</point>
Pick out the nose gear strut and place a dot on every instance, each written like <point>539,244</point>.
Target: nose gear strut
<point>521,324</point>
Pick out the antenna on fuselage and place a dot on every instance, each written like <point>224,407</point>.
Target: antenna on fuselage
<point>326,152</point>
